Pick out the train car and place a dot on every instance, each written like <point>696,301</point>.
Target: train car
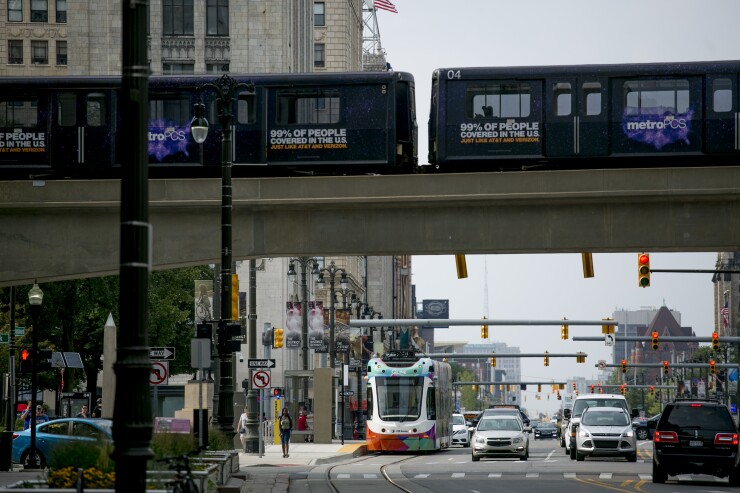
<point>591,116</point>
<point>328,123</point>
<point>409,403</point>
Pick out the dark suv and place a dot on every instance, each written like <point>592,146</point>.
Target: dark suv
<point>695,436</point>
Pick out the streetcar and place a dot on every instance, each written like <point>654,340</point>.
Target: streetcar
<point>585,116</point>
<point>409,403</point>
<point>282,125</point>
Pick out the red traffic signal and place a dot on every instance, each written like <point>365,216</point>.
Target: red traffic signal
<point>277,391</point>
<point>26,360</point>
<point>712,367</point>
<point>643,269</point>
<point>665,367</point>
<point>624,366</point>
<point>715,341</point>
<point>655,340</point>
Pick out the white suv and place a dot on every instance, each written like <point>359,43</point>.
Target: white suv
<point>583,402</point>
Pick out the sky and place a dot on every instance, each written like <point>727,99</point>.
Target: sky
<point>431,34</point>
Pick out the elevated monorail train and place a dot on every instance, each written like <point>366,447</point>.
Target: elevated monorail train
<point>409,403</point>
<point>56,127</point>
<point>591,116</point>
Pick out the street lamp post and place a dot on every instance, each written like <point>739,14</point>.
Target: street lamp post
<point>332,272</point>
<point>35,298</point>
<point>225,88</point>
<point>305,263</point>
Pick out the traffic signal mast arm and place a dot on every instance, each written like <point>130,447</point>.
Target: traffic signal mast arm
<point>670,365</point>
<point>617,338</point>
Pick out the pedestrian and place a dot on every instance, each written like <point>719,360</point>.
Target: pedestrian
<point>98,409</point>
<point>83,413</point>
<point>41,416</point>
<point>286,425</point>
<point>241,427</point>
<point>303,424</point>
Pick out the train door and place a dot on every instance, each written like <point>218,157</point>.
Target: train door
<point>722,119</point>
<point>577,117</point>
<point>248,143</point>
<point>81,130</point>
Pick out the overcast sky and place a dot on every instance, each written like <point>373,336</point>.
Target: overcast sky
<point>430,34</point>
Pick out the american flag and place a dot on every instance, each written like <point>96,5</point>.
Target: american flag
<point>725,311</point>
<point>385,5</point>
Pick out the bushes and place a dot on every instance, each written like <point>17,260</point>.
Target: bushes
<point>98,468</point>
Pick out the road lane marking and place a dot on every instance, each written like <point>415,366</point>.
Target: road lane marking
<point>458,474</point>
<point>369,476</point>
<point>421,476</point>
<point>605,475</point>
<point>343,476</point>
<point>494,475</point>
<point>569,475</point>
<point>549,455</point>
<point>645,477</point>
<point>533,475</point>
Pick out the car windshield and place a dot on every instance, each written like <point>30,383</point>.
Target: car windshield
<point>499,425</point>
<point>583,404</point>
<point>545,425</point>
<point>605,418</point>
<point>458,419</point>
<point>696,417</point>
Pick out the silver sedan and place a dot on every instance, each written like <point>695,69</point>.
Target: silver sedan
<point>606,431</point>
<point>500,436</point>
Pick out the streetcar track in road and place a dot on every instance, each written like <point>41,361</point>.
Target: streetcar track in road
<point>334,487</point>
<point>601,484</point>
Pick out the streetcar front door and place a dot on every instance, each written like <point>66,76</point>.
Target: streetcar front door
<point>722,121</point>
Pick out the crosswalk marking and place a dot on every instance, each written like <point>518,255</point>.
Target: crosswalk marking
<point>569,475</point>
<point>494,475</point>
<point>369,476</point>
<point>458,474</point>
<point>343,476</point>
<point>605,475</point>
<point>533,475</point>
<point>421,476</point>
<point>645,477</point>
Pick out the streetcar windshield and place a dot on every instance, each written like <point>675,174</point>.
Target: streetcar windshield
<point>399,398</point>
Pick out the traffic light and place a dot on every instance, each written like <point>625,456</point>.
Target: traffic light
<point>559,398</point>
<point>204,331</point>
<point>484,331</point>
<point>665,367</point>
<point>547,359</point>
<point>712,368</point>
<point>574,386</point>
<point>643,269</point>
<point>624,366</point>
<point>43,359</point>
<point>539,387</point>
<point>564,332</point>
<point>475,388</point>
<point>493,361</point>
<point>607,329</point>
<point>26,360</point>
<point>277,391</point>
<point>655,340</point>
<point>234,297</point>
<point>623,389</point>
<point>581,357</point>
<point>592,388</point>
<point>652,390</point>
<point>715,341</point>
<point>277,338</point>
<point>576,393</point>
<point>601,391</point>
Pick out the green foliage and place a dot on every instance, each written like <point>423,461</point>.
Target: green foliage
<point>169,444</point>
<point>82,455</point>
<point>469,398</point>
<point>218,440</point>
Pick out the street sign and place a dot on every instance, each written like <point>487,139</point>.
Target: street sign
<point>19,332</point>
<point>261,379</point>
<point>260,363</point>
<point>602,364</point>
<point>347,393</point>
<point>159,373</point>
<point>162,353</point>
<point>608,339</point>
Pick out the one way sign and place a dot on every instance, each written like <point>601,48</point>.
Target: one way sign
<point>161,353</point>
<point>261,363</point>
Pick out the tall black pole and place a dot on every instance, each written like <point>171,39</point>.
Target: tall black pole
<point>304,312</point>
<point>132,411</point>
<point>252,442</point>
<point>7,442</point>
<point>33,458</point>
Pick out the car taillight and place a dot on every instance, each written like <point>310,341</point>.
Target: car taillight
<point>665,437</point>
<point>15,435</point>
<point>725,439</point>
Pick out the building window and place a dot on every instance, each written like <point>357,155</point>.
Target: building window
<point>217,68</point>
<point>15,51</point>
<point>39,10</point>
<point>177,17</point>
<point>61,11</point>
<point>61,53</point>
<point>15,10</point>
<point>217,18</point>
<point>178,68</point>
<point>319,18</point>
<point>318,55</point>
<point>40,52</point>
<point>16,112</point>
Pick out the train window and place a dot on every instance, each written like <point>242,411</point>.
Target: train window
<point>592,97</point>
<point>245,108</point>
<point>67,109</point>
<point>562,98</point>
<point>509,100</point>
<point>96,110</point>
<point>431,404</point>
<point>656,97</point>
<point>174,108</point>
<point>18,112</point>
<point>303,108</point>
<point>722,95</point>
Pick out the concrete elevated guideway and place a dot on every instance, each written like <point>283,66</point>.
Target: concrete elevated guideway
<point>70,229</point>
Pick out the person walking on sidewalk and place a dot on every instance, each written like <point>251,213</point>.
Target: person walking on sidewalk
<point>241,428</point>
<point>286,425</point>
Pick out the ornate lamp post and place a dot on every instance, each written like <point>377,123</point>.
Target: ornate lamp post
<point>35,298</point>
<point>225,88</point>
<point>305,263</point>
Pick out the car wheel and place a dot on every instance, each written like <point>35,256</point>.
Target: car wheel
<point>734,477</point>
<point>642,434</point>
<point>475,458</point>
<point>25,458</point>
<point>572,453</point>
<point>659,475</point>
<point>562,442</point>
<point>580,457</point>
<point>632,457</point>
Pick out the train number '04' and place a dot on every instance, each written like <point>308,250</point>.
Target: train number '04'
<point>453,74</point>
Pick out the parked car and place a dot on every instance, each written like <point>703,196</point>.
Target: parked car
<point>606,432</point>
<point>500,436</point>
<point>58,433</point>
<point>695,436</point>
<point>545,430</point>
<point>460,435</point>
<point>639,425</point>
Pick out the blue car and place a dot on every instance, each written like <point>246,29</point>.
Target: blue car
<point>59,433</point>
